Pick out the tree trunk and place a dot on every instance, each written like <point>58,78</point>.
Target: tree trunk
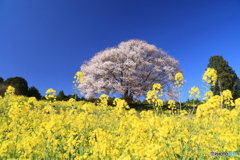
<point>128,96</point>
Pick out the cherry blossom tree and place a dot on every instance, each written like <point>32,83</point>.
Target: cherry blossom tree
<point>131,68</point>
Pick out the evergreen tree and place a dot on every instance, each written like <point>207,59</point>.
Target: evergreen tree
<point>43,98</point>
<point>33,92</point>
<point>61,96</point>
<point>74,96</point>
<point>227,78</point>
<point>18,83</point>
<point>193,101</point>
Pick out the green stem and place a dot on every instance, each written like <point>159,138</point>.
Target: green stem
<point>179,99</point>
<point>193,107</point>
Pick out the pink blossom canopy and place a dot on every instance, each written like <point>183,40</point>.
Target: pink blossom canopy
<point>131,68</point>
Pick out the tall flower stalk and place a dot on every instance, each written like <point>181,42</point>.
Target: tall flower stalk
<point>194,93</point>
<point>227,98</point>
<point>10,91</point>
<point>179,80</point>
<point>79,77</point>
<point>210,77</point>
<point>51,95</point>
<point>153,97</point>
<point>171,105</point>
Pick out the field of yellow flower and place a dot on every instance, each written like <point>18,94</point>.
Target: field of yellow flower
<point>32,129</point>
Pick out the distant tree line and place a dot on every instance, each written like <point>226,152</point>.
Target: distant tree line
<point>62,97</point>
<point>21,88</point>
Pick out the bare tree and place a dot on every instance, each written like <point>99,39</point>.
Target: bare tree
<point>131,68</point>
<point>3,89</point>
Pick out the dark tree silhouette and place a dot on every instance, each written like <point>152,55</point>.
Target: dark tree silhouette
<point>1,80</point>
<point>33,92</point>
<point>61,96</point>
<point>18,83</point>
<point>227,78</point>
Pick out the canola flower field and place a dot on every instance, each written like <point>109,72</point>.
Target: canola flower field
<point>32,129</point>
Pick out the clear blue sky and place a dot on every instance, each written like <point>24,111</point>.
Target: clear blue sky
<point>46,41</point>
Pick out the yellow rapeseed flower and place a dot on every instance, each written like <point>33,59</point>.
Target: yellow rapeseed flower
<point>103,100</point>
<point>171,104</point>
<point>89,132</point>
<point>157,86</point>
<point>194,92</point>
<point>50,90</point>
<point>79,77</point>
<point>50,94</point>
<point>71,101</point>
<point>158,103</point>
<point>32,100</point>
<point>179,80</point>
<point>154,94</point>
<point>227,97</point>
<point>120,103</point>
<point>207,95</point>
<point>237,103</point>
<point>210,76</point>
<point>10,90</point>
